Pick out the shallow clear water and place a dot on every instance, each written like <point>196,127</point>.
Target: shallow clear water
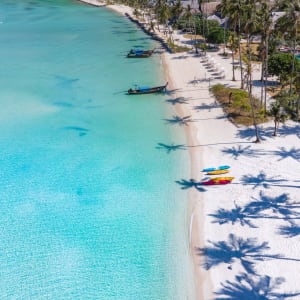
<point>89,207</point>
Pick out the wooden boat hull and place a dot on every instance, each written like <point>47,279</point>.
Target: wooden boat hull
<point>142,91</point>
<point>140,54</point>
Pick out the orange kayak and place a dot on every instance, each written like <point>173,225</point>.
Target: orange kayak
<point>222,178</point>
<point>217,172</point>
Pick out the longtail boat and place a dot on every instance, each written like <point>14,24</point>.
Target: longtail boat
<point>140,53</point>
<point>147,90</point>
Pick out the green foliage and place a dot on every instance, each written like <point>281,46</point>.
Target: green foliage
<point>288,102</point>
<point>236,104</point>
<point>175,48</point>
<point>215,35</point>
<point>209,29</point>
<point>280,64</point>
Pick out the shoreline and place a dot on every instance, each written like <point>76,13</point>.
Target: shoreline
<point>266,172</point>
<point>195,238</point>
<point>195,215</point>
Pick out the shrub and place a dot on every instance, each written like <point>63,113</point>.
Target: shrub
<point>236,104</point>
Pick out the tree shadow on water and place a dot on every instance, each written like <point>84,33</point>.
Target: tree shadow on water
<point>192,183</point>
<point>247,287</point>
<point>81,131</point>
<point>65,81</point>
<point>170,148</point>
<point>179,120</point>
<point>246,251</point>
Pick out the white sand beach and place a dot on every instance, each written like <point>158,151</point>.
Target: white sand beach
<point>247,232</point>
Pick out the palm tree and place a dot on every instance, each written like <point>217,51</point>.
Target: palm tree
<point>159,10</point>
<point>176,11</point>
<point>250,26</point>
<point>276,112</point>
<point>233,9</point>
<point>288,25</point>
<point>233,45</point>
<point>266,24</point>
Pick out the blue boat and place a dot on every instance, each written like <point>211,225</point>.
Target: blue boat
<point>147,90</point>
<point>140,53</point>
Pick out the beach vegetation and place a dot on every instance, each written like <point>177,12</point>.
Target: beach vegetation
<point>288,27</point>
<point>281,65</point>
<point>251,26</point>
<point>278,115</point>
<point>216,35</point>
<point>289,103</point>
<point>175,48</point>
<point>236,104</point>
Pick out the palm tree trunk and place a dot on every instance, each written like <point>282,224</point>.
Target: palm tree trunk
<point>250,89</point>
<point>266,73</point>
<point>293,66</point>
<point>240,54</point>
<point>233,65</point>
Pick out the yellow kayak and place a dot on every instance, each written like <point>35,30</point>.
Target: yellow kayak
<point>222,178</point>
<point>217,172</point>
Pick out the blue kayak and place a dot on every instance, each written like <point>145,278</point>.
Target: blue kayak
<point>215,169</point>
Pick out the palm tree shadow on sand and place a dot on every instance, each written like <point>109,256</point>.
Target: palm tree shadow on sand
<point>279,205</point>
<point>248,287</point>
<point>204,106</point>
<point>237,151</point>
<point>290,231</point>
<point>284,153</point>
<point>172,92</point>
<point>249,134</point>
<point>245,215</point>
<point>178,100</point>
<point>262,180</point>
<point>237,214</point>
<point>246,251</point>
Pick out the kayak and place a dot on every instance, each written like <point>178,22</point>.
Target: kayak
<point>216,169</point>
<point>222,178</point>
<point>213,182</point>
<point>217,172</point>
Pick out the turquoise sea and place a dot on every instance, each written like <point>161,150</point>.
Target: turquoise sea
<point>89,205</point>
